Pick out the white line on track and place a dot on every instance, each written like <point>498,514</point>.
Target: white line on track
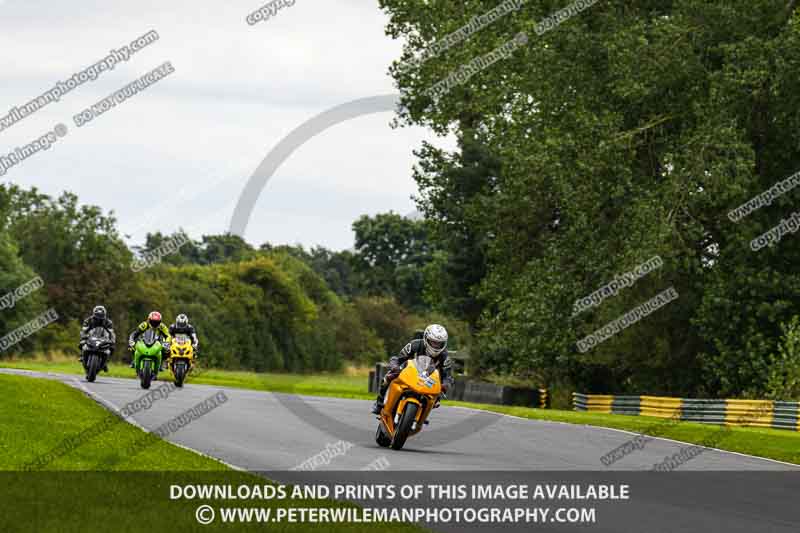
<point>793,465</point>
<point>108,404</point>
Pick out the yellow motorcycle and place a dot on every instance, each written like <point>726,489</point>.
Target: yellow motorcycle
<point>408,403</point>
<point>181,358</point>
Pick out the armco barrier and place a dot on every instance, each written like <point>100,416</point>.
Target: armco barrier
<point>470,390</point>
<point>756,413</point>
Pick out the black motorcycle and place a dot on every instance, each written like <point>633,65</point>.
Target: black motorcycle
<point>96,351</point>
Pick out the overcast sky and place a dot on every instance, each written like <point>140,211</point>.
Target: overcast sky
<point>237,90</point>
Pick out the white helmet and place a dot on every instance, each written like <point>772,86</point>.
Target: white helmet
<point>435,340</point>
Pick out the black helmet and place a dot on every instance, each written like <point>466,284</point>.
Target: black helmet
<point>99,313</point>
<point>182,321</point>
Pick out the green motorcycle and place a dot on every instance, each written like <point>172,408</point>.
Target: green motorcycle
<point>147,357</point>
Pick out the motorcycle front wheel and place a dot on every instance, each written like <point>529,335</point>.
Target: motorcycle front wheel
<point>92,367</point>
<point>404,427</point>
<point>146,374</point>
<point>382,438</point>
<point>180,373</point>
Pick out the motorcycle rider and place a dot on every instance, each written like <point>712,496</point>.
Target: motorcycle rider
<point>98,319</point>
<point>183,327</point>
<point>433,344</point>
<point>153,322</point>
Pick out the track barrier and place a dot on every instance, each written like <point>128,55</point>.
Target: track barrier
<point>475,391</point>
<point>750,413</point>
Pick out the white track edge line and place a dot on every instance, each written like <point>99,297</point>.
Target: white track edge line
<point>796,466</point>
<point>113,407</point>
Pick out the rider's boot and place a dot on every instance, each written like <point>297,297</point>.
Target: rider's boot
<point>378,405</point>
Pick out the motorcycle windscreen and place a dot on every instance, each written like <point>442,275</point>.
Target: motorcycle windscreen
<point>425,365</point>
<point>181,339</point>
<point>150,337</point>
<point>99,334</point>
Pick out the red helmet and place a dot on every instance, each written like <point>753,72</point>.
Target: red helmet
<point>155,319</point>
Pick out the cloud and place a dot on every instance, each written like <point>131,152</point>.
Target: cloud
<point>236,91</point>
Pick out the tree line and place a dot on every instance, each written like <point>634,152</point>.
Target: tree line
<point>272,308</point>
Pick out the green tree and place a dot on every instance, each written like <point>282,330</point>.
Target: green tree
<point>391,252</point>
<point>626,131</point>
<point>784,376</point>
<point>209,250</point>
<point>75,248</point>
<point>13,274</point>
<point>451,189</point>
<point>336,268</point>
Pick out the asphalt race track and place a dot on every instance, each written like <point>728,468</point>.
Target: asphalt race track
<point>272,434</point>
<point>263,431</point>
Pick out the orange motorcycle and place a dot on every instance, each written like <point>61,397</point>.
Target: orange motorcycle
<point>409,400</point>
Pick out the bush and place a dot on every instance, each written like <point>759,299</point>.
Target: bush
<point>784,376</point>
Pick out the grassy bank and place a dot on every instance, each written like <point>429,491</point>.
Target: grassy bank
<point>38,414</point>
<point>776,444</point>
<point>348,384</point>
<point>73,494</point>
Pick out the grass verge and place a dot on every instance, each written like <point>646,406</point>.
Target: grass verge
<point>71,495</point>
<point>350,384</point>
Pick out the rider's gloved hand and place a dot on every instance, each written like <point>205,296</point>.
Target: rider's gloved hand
<point>442,396</point>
